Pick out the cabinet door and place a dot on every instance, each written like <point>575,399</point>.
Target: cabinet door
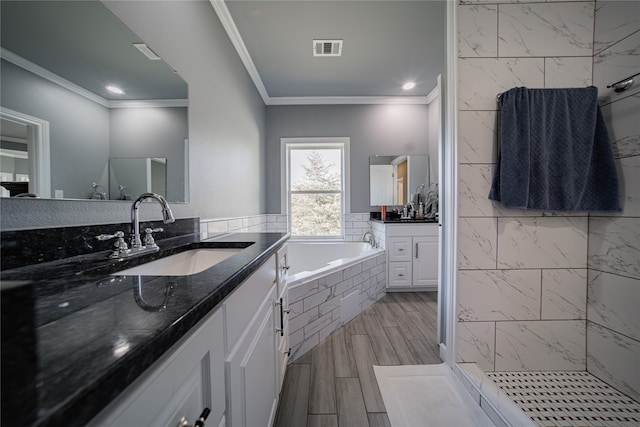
<point>399,249</point>
<point>251,369</point>
<point>425,262</point>
<point>182,384</point>
<point>281,315</point>
<point>399,274</point>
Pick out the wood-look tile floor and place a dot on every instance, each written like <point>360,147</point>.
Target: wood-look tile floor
<point>333,385</point>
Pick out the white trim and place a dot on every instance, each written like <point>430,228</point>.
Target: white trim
<point>72,87</point>
<point>434,94</point>
<point>234,35</point>
<point>38,138</point>
<point>341,100</point>
<point>346,180</point>
<point>449,191</point>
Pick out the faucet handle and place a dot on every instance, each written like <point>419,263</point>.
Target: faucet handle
<point>120,246</point>
<point>148,238</point>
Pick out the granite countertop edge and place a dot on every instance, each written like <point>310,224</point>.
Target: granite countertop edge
<point>95,394</point>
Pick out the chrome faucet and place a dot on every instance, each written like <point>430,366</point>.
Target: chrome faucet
<point>371,239</point>
<point>167,218</point>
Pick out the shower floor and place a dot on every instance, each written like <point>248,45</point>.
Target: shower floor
<point>567,399</point>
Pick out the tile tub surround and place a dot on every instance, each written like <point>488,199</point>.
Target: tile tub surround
<point>81,314</point>
<point>315,305</point>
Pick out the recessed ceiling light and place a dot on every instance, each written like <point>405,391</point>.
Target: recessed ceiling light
<point>146,50</point>
<point>408,85</point>
<point>115,89</point>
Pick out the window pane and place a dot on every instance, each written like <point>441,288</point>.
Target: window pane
<point>317,169</point>
<point>315,215</point>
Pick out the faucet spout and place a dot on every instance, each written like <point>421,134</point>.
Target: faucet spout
<point>167,217</point>
<point>370,238</point>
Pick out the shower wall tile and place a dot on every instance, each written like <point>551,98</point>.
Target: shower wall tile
<point>498,295</point>
<point>549,29</point>
<point>613,302</point>
<point>481,79</point>
<point>478,31</point>
<point>545,345</point>
<point>615,20</point>
<point>613,245</point>
<point>622,122</point>
<point>568,72</point>
<point>476,343</point>
<point>616,63</point>
<point>477,243</point>
<point>477,137</point>
<point>474,183</point>
<point>614,358</point>
<point>629,172</point>
<point>551,242</point>
<point>564,294</point>
<point>500,1</point>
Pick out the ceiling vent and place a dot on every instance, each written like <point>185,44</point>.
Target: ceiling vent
<point>146,51</point>
<point>327,48</point>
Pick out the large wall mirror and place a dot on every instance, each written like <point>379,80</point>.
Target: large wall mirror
<point>398,179</point>
<point>89,111</point>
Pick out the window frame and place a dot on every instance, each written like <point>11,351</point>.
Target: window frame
<point>341,143</point>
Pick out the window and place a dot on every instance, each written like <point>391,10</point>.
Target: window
<point>316,182</point>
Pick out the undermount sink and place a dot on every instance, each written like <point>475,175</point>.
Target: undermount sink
<point>182,264</point>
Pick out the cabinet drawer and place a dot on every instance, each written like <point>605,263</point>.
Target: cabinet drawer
<point>282,268</point>
<point>400,274</point>
<point>399,249</point>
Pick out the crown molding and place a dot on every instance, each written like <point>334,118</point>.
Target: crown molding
<point>340,100</point>
<point>52,77</point>
<point>60,81</point>
<point>236,39</point>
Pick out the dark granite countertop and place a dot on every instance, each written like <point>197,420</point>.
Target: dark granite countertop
<point>406,221</point>
<point>79,336</point>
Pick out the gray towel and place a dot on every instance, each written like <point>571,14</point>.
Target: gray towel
<point>555,153</point>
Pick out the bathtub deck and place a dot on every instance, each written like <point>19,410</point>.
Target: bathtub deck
<point>334,384</point>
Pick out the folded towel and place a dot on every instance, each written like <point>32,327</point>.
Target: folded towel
<point>555,153</point>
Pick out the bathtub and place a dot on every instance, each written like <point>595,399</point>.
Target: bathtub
<point>329,284</point>
<point>311,260</point>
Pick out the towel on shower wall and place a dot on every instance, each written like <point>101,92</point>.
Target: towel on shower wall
<point>555,153</point>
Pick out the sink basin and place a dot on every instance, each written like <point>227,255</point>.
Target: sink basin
<point>181,264</point>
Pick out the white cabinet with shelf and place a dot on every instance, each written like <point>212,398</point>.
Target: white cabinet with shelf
<point>412,256</point>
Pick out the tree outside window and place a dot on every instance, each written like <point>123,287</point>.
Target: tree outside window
<point>316,189</point>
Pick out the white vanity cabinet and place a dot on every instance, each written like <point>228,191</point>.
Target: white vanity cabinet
<point>181,384</point>
<point>412,256</point>
<point>232,362</point>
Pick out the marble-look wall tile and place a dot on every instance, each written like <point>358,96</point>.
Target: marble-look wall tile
<point>481,79</point>
<point>551,242</point>
<point>477,243</point>
<point>567,72</point>
<point>557,345</point>
<point>629,173</point>
<point>499,1</point>
<point>476,343</point>
<point>615,63</point>
<point>613,245</point>
<point>614,358</point>
<point>622,122</point>
<point>550,29</point>
<point>477,137</point>
<point>613,302</point>
<point>564,294</point>
<point>498,295</point>
<point>478,31</point>
<point>615,20</point>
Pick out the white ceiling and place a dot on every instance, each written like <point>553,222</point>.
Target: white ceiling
<point>386,43</point>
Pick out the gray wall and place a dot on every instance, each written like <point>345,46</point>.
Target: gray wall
<point>373,129</point>
<point>226,123</point>
<point>153,132</point>
<point>27,93</point>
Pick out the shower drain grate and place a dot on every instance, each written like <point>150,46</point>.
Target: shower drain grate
<point>559,399</point>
